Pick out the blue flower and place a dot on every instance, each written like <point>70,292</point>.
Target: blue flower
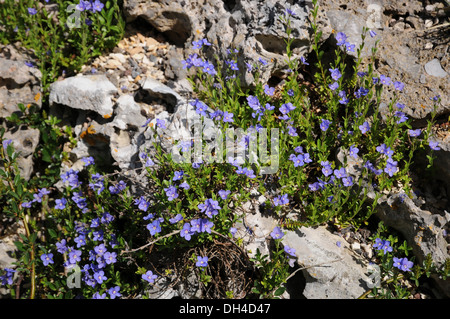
<point>268,90</point>
<point>281,200</point>
<point>399,85</point>
<point>227,117</point>
<point>210,207</point>
<point>110,257</point>
<point>202,261</point>
<point>347,181</point>
<point>289,250</point>
<point>386,150</point>
<point>340,173</point>
<point>385,80</point>
<point>200,107</point>
<point>414,133</point>
<point>209,68</point>
<point>276,233</point>
<point>324,124</point>
<point>154,227</point>
<point>60,203</point>
<point>341,38</point>
<point>100,277</point>
<point>364,127</point>
<point>114,292</point>
<point>186,231</point>
<point>149,276</point>
<point>88,160</point>
<point>178,175</point>
<point>372,33</point>
<point>171,193</point>
<point>47,259</point>
<point>354,151</point>
<point>326,168</point>
<point>333,86</point>
<point>253,102</point>
<point>297,159</point>
<point>185,185</point>
<point>335,74</point>
<point>176,219</point>
<point>97,6</point>
<point>434,146</point>
<point>224,194</point>
<point>32,11</point>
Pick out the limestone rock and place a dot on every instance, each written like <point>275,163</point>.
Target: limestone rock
<point>85,92</point>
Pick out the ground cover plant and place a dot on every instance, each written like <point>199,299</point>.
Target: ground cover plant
<point>94,238</point>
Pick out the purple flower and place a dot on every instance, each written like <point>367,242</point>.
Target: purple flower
<point>110,257</point>
<point>74,256</point>
<point>60,203</point>
<point>176,219</point>
<point>262,61</point>
<point>414,133</point>
<point>276,233</point>
<point>253,102</point>
<point>335,74</point>
<point>341,38</point>
<point>7,278</point>
<point>434,146</point>
<point>227,117</point>
<point>286,108</point>
<point>47,259</point>
<point>149,276</point>
<point>268,90</point>
<point>200,107</point>
<point>343,96</point>
<point>100,277</point>
<point>303,60</point>
<point>372,33</point>
<point>391,167</point>
<point>347,181</point>
<point>386,150</point>
<point>186,231</point>
<point>161,123</point>
<point>209,68</point>
<point>32,11</point>
<point>289,251</point>
<point>61,246</point>
<point>210,207</point>
<point>297,159</point>
<point>364,127</point>
<point>142,204</point>
<point>97,6</point>
<point>281,200</point>
<point>326,168</point>
<point>88,160</point>
<point>154,227</point>
<point>205,225</point>
<point>324,124</point>
<point>340,173</point>
<point>399,85</point>
<point>171,193</point>
<point>178,175</point>
<point>354,151</point>
<point>114,292</point>
<point>224,194</point>
<point>333,86</point>
<point>384,245</point>
<point>202,261</point>
<point>385,80</point>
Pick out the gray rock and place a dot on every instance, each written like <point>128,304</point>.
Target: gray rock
<point>251,26</point>
<point>434,68</point>
<point>422,229</point>
<point>85,92</point>
<point>128,114</point>
<point>332,272</point>
<point>19,83</point>
<point>25,141</point>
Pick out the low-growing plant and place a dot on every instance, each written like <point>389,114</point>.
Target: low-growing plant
<point>95,235</point>
<point>398,274</point>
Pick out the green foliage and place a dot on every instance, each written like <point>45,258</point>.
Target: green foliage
<point>97,221</point>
